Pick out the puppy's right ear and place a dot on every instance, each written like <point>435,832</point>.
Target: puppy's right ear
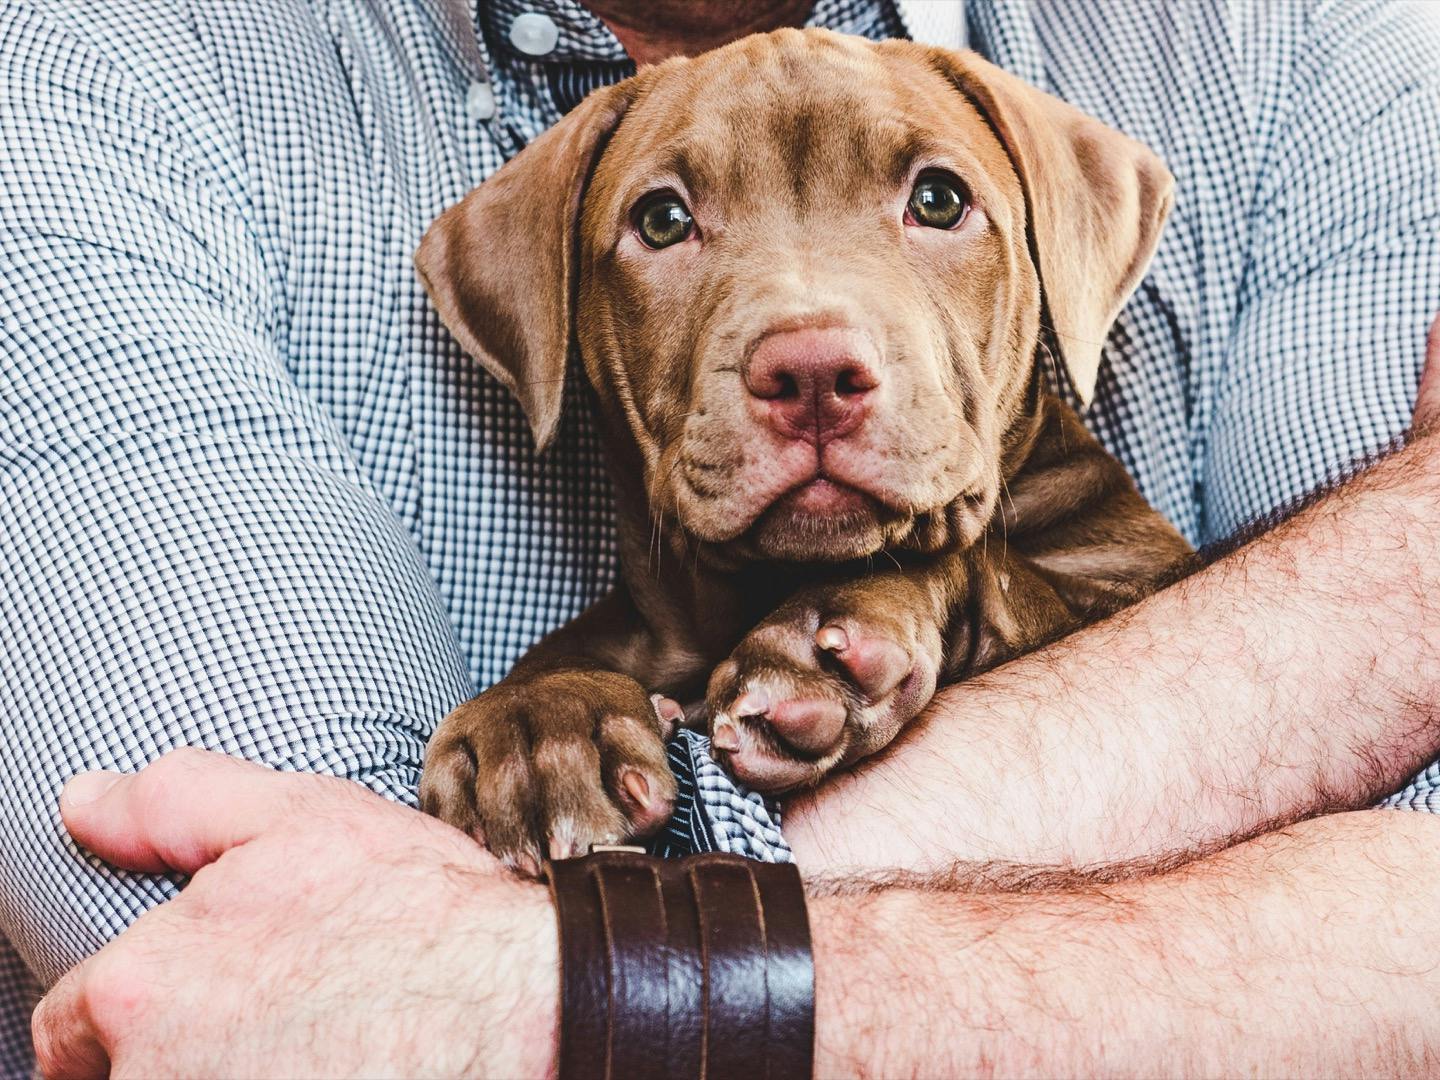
<point>499,264</point>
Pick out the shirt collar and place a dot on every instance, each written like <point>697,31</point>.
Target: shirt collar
<point>581,35</point>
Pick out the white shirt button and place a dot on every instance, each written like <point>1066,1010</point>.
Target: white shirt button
<point>534,34</point>
<point>480,101</point>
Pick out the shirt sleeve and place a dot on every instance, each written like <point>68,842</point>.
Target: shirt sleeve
<point>188,552</point>
<point>1343,276</point>
<point>1344,279</point>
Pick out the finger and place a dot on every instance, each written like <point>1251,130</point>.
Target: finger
<point>1427,400</point>
<point>184,810</point>
<point>66,1042</point>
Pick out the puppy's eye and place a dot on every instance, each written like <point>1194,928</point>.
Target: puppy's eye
<point>663,220</point>
<point>938,201</point>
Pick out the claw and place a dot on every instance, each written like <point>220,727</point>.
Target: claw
<point>754,702</point>
<point>637,787</point>
<point>668,712</point>
<point>725,737</point>
<point>832,639</point>
<point>523,862</point>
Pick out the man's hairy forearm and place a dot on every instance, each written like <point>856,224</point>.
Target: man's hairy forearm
<point>1295,675</point>
<point>1310,950</point>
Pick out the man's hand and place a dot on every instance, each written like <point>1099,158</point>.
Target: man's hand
<point>1427,400</point>
<point>328,932</point>
<point>324,932</point>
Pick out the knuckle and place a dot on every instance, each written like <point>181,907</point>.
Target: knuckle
<point>337,810</point>
<point>46,1036</point>
<point>184,759</point>
<point>561,754</point>
<point>45,1027</point>
<point>157,792</point>
<point>47,1050</point>
<point>115,992</point>
<point>505,785</point>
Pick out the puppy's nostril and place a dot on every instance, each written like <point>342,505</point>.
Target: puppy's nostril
<point>813,382</point>
<point>853,381</point>
<point>774,386</point>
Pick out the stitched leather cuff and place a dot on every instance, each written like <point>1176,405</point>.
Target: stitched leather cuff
<point>695,967</point>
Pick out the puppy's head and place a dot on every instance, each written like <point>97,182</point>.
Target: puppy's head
<point>807,275</point>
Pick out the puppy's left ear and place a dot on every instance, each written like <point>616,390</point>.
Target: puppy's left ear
<point>1096,201</point>
<point>499,264</point>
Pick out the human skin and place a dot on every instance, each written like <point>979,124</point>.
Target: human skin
<point>1294,677</point>
<point>316,907</point>
<point>1294,952</point>
<point>652,30</point>
<point>328,932</point>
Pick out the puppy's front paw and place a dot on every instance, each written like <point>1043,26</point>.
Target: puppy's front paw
<point>549,763</point>
<point>828,679</point>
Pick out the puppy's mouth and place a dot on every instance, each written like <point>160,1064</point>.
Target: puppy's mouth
<point>821,518</point>
<point>823,497</point>
<point>795,502</point>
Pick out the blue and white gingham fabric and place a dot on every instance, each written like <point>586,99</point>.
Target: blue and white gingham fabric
<point>253,498</point>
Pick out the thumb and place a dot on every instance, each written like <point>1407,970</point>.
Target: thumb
<point>184,810</point>
<point>1427,401</point>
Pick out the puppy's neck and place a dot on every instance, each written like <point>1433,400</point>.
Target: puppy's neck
<point>1025,431</point>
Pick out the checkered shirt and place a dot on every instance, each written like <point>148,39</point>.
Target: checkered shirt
<point>253,497</point>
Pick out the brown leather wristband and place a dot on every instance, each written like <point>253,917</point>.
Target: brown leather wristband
<point>696,967</point>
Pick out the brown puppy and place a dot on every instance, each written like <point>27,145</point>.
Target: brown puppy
<point>808,276</point>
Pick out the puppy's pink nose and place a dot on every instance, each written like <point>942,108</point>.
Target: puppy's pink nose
<point>813,384</point>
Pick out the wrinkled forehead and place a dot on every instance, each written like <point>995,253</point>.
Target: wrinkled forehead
<point>799,116</point>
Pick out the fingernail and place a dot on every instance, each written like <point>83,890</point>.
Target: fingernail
<point>832,639</point>
<point>725,737</point>
<point>753,703</point>
<point>639,788</point>
<point>86,787</point>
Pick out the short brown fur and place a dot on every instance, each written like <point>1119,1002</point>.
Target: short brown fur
<point>993,522</point>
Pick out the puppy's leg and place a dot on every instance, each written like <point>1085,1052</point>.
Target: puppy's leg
<point>548,762</point>
<point>837,670</point>
<point>830,677</point>
<point>563,753</point>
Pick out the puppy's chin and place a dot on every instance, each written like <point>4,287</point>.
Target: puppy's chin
<point>821,522</point>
